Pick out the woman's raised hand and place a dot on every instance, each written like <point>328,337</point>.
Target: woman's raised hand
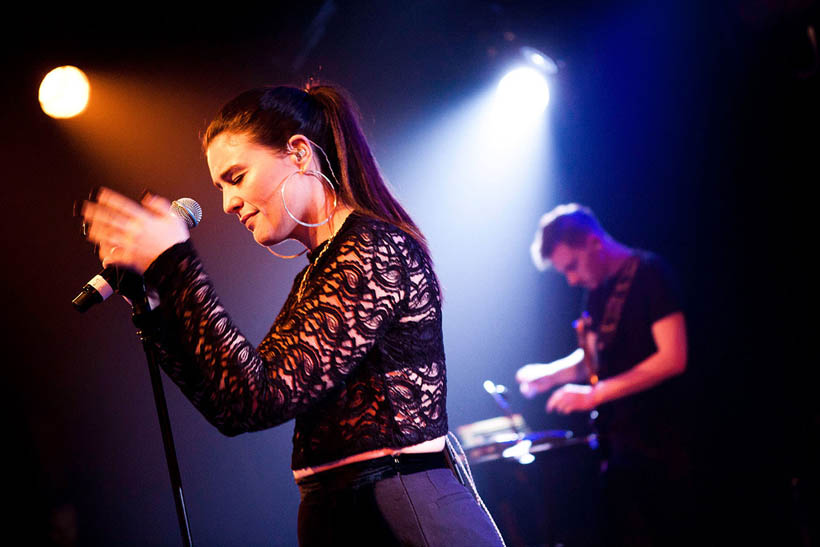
<point>130,234</point>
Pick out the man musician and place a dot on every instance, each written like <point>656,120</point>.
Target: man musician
<point>632,338</point>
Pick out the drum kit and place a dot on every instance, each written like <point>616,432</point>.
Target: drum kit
<point>508,437</point>
<point>537,484</point>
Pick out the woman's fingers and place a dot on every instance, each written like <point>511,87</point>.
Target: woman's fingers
<point>118,256</point>
<point>156,204</point>
<point>105,229</point>
<point>112,223</point>
<point>111,213</point>
<point>119,204</point>
<point>129,233</point>
<point>109,258</point>
<point>94,213</point>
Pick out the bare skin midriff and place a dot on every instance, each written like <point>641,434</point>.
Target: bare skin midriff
<point>433,445</point>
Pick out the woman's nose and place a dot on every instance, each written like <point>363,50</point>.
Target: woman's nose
<point>231,204</point>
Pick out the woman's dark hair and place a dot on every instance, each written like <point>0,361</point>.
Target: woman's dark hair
<point>325,115</point>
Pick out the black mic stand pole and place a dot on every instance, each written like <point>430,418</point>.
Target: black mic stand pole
<point>132,287</point>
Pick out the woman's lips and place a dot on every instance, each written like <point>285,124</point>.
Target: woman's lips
<point>245,220</point>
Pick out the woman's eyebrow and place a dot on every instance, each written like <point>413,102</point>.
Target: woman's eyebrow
<point>227,174</point>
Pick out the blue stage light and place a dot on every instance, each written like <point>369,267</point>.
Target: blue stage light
<point>523,92</point>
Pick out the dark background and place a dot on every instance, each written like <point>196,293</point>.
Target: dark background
<point>689,127</point>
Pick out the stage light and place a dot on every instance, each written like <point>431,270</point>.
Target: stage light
<point>523,92</point>
<point>539,60</point>
<point>64,92</point>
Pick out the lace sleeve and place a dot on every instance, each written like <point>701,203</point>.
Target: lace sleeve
<point>312,346</point>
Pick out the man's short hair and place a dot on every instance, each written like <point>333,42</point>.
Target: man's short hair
<point>569,224</point>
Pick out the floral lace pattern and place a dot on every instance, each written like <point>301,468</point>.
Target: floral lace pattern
<point>358,361</point>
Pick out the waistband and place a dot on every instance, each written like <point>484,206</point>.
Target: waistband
<point>358,474</point>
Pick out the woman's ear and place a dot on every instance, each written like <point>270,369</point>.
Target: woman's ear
<point>299,149</point>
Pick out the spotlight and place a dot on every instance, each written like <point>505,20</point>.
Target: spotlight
<point>539,60</point>
<point>523,92</point>
<point>64,92</point>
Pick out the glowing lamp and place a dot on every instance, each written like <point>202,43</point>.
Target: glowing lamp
<point>64,92</point>
<point>523,91</point>
<point>539,60</point>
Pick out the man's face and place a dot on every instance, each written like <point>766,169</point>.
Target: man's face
<point>581,266</point>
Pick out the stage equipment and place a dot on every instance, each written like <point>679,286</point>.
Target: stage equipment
<point>541,486</point>
<point>132,287</point>
<point>524,90</point>
<point>64,92</point>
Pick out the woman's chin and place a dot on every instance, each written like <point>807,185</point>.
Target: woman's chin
<point>267,239</point>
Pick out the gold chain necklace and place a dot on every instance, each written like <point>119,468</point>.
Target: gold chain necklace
<point>313,263</point>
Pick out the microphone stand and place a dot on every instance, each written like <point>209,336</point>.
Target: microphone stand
<point>132,287</point>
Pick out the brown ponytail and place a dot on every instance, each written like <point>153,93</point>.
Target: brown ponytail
<point>327,116</point>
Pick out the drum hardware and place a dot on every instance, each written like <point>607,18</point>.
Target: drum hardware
<point>509,438</point>
<point>520,451</point>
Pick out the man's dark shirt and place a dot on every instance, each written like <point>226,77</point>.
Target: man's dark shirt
<point>636,424</point>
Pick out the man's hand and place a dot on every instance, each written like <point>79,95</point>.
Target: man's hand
<point>538,378</point>
<point>535,378</point>
<point>572,398</point>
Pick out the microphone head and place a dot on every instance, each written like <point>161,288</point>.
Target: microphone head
<point>188,210</point>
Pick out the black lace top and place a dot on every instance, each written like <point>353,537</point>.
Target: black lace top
<point>358,360</point>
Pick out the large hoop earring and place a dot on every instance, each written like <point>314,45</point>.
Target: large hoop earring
<point>287,257</point>
<point>321,176</point>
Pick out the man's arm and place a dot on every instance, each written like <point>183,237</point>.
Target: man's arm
<point>537,378</point>
<point>670,360</point>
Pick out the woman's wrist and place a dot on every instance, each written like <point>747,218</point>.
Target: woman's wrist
<point>167,263</point>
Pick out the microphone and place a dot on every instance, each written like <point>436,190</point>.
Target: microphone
<point>107,281</point>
